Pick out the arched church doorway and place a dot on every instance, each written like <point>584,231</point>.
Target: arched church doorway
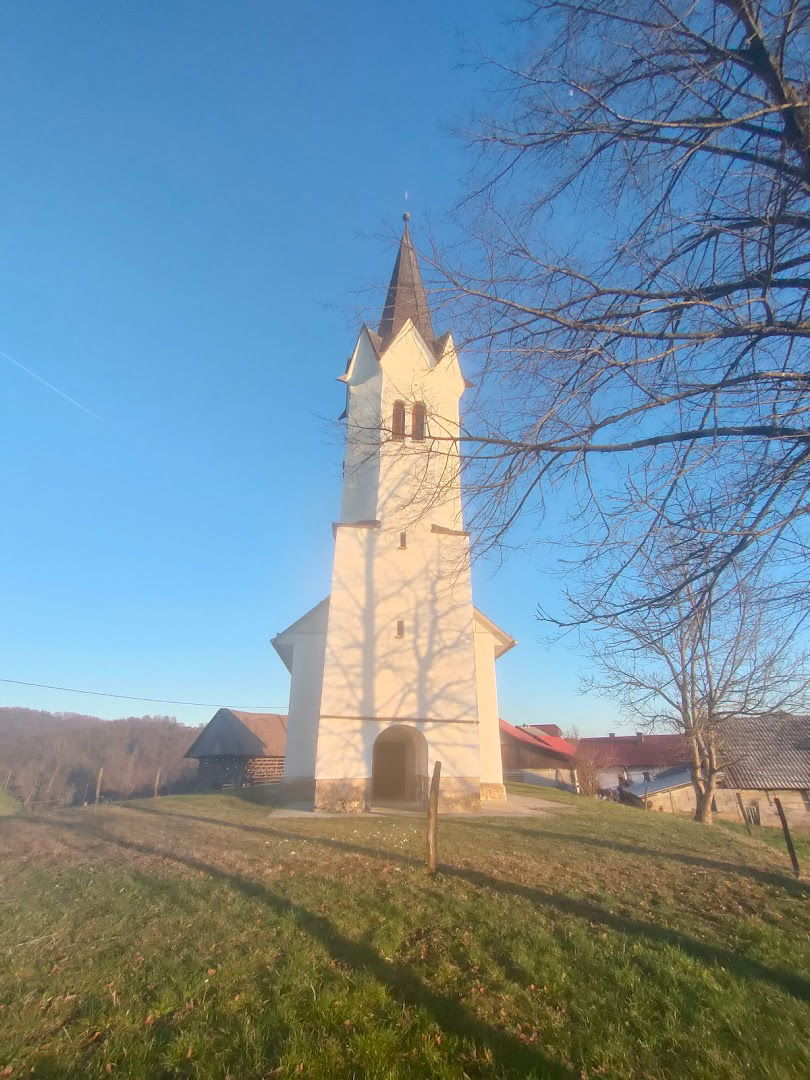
<point>399,766</point>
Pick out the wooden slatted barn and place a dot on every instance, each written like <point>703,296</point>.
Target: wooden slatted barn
<point>240,748</point>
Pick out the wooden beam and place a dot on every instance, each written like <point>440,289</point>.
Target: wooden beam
<point>788,838</point>
<point>432,816</point>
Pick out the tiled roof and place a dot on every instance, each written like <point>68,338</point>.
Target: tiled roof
<point>635,751</point>
<point>766,752</point>
<point>232,733</point>
<point>549,729</point>
<point>271,728</point>
<point>538,739</point>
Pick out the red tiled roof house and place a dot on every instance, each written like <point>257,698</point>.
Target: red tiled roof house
<point>537,754</point>
<point>627,759</point>
<point>761,758</point>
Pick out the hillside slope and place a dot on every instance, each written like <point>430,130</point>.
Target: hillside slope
<point>204,936</point>
<point>54,757</point>
<point>8,804</point>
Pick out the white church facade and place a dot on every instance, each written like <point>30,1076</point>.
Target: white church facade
<point>395,669</point>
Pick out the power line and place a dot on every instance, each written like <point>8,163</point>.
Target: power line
<point>132,697</point>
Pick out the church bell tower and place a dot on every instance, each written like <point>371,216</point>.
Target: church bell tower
<point>396,668</point>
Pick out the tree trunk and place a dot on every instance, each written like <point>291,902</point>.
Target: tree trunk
<point>705,798</point>
<point>704,773</point>
<point>703,810</point>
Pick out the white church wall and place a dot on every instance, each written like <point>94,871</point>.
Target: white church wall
<point>401,644</point>
<point>489,729</point>
<point>420,480</point>
<point>428,672</point>
<point>305,701</point>
<point>345,747</point>
<point>362,462</point>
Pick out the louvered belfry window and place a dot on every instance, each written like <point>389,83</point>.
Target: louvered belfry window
<point>398,420</point>
<point>418,421</point>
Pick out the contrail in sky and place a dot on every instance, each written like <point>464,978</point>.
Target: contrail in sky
<point>50,386</point>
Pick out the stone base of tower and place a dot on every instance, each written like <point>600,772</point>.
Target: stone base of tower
<point>459,795</point>
<point>493,793</point>
<point>343,796</point>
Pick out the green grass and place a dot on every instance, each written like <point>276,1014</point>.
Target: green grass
<point>8,804</point>
<point>205,937</point>
<point>775,838</point>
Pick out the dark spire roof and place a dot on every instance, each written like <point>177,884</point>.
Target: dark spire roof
<point>406,297</point>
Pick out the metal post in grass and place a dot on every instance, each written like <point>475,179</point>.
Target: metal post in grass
<point>98,783</point>
<point>157,782</point>
<point>788,838</point>
<point>746,822</point>
<point>8,780</point>
<point>432,816</point>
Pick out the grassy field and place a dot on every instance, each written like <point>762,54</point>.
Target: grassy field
<point>8,804</point>
<point>202,936</point>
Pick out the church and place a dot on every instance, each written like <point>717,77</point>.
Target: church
<point>395,669</point>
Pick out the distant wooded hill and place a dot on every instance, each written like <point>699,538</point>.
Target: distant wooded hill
<point>54,758</point>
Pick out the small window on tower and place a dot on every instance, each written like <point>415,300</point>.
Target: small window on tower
<point>398,420</point>
<point>403,540</point>
<point>418,421</point>
<point>401,628</point>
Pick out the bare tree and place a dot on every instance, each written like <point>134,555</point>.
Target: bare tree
<point>707,661</point>
<point>585,766</point>
<point>637,287</point>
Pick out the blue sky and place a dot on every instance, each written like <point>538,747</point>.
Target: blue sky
<point>195,201</point>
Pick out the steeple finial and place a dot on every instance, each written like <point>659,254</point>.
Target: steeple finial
<point>406,297</point>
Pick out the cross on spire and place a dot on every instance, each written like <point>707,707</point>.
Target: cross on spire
<point>406,297</point>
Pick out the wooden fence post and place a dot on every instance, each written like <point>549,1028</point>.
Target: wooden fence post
<point>788,837</point>
<point>432,815</point>
<point>157,782</point>
<point>34,790</point>
<point>98,783</point>
<point>746,822</point>
<point>53,777</point>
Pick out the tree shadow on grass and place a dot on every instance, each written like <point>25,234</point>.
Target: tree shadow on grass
<point>735,963</point>
<point>764,877</point>
<point>512,1055</point>
<point>656,934</point>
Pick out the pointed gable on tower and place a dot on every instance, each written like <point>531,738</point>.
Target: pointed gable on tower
<point>406,297</point>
